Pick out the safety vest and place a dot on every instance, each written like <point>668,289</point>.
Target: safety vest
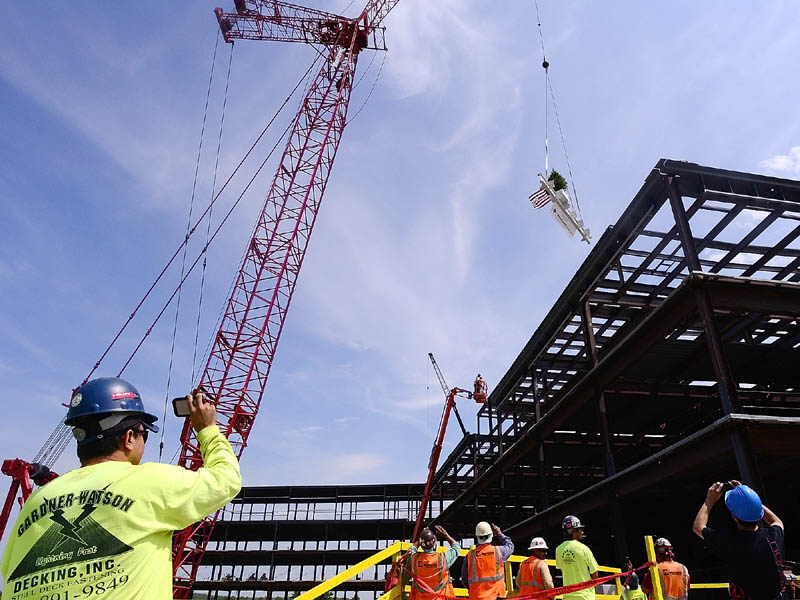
<point>530,577</point>
<point>674,580</point>
<point>430,568</point>
<point>485,573</point>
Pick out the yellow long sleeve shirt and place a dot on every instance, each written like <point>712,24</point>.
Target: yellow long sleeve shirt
<point>108,527</point>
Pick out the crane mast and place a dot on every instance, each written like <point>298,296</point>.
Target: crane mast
<point>243,349</point>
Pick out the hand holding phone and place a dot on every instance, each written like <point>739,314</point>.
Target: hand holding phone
<point>202,412</point>
<point>180,406</point>
<point>198,407</point>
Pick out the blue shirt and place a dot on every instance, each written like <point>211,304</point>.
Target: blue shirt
<point>506,549</point>
<point>450,555</point>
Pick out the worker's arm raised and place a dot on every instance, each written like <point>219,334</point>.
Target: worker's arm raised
<point>180,497</point>
<point>701,519</point>
<point>770,518</point>
<point>446,536</point>
<point>506,544</point>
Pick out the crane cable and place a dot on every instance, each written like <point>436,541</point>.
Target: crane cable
<point>210,214</point>
<point>372,89</point>
<point>197,223</point>
<point>205,247</point>
<point>59,439</point>
<point>549,88</point>
<point>188,229</point>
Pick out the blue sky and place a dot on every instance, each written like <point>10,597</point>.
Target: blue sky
<point>425,240</point>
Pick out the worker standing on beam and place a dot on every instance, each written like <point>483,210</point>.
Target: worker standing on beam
<point>575,559</point>
<point>108,525</point>
<point>483,565</point>
<point>429,569</point>
<point>534,574</point>
<point>673,575</point>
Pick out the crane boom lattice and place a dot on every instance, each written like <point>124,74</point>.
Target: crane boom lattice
<point>244,347</point>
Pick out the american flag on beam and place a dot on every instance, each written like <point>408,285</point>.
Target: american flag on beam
<point>540,198</point>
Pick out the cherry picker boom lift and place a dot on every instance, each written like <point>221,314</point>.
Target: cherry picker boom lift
<point>433,463</point>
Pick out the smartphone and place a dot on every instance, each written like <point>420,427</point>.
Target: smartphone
<point>180,406</point>
<point>726,486</point>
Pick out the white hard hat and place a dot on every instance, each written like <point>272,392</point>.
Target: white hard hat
<point>538,543</point>
<point>483,530</point>
<point>664,542</point>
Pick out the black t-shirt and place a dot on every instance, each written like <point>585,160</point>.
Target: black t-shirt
<point>751,557</point>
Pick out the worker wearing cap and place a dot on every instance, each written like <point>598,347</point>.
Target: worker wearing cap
<point>483,565</point>
<point>674,576</point>
<point>534,574</point>
<point>575,559</point>
<point>105,529</point>
<point>429,569</point>
<point>753,554</point>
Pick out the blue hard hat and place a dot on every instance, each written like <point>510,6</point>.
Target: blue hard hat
<point>744,504</point>
<point>105,402</point>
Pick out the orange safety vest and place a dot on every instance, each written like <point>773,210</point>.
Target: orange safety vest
<point>530,577</point>
<point>485,573</point>
<point>431,569</point>
<point>674,580</point>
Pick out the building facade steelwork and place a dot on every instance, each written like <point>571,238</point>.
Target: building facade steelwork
<point>671,360</point>
<point>277,541</point>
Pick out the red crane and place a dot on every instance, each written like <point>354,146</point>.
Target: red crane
<point>244,347</point>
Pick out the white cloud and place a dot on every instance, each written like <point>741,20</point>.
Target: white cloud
<point>352,466</point>
<point>784,163</point>
<point>307,432</point>
<point>345,420</point>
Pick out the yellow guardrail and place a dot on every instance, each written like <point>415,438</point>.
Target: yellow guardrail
<point>349,573</point>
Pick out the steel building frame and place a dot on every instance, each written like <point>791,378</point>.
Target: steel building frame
<point>680,328</point>
<point>670,360</point>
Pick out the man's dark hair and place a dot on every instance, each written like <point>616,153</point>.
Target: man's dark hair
<point>109,443</point>
<point>101,448</point>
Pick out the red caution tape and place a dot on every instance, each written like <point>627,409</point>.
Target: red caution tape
<point>564,589</point>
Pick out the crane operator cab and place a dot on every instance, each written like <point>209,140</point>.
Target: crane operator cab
<point>480,390</point>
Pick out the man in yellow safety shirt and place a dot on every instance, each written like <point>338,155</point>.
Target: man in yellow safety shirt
<point>483,568</point>
<point>575,559</point>
<point>673,575</point>
<point>534,574</point>
<point>105,529</point>
<point>430,568</point>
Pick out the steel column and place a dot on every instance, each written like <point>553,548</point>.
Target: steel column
<point>544,501</point>
<point>748,470</point>
<point>602,418</point>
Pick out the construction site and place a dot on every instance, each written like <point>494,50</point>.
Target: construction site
<point>669,360</point>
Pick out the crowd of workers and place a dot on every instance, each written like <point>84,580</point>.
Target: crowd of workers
<point>752,553</point>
